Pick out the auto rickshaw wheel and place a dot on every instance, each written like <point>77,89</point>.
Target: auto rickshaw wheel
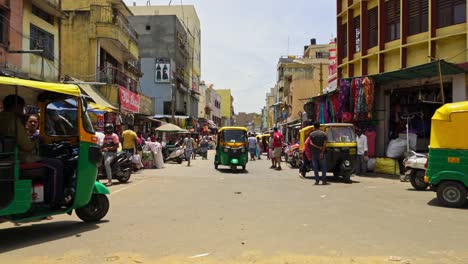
<point>243,168</point>
<point>417,180</point>
<point>452,194</point>
<point>347,177</point>
<point>126,177</point>
<point>95,210</point>
<point>234,168</point>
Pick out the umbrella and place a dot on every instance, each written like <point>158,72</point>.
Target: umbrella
<point>169,128</point>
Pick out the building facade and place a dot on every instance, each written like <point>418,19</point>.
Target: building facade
<point>227,108</point>
<point>414,52</point>
<point>29,39</point>
<point>99,45</point>
<point>187,43</point>
<point>213,106</point>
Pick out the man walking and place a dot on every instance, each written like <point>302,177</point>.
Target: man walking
<point>277,147</point>
<point>188,144</point>
<point>252,146</point>
<point>129,140</point>
<point>318,143</point>
<point>362,149</point>
<point>306,158</point>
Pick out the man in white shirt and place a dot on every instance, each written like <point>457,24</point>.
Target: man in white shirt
<point>362,158</point>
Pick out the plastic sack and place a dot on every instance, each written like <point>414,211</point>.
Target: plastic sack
<point>386,166</point>
<point>137,160</point>
<point>413,139</point>
<point>371,165</point>
<point>396,148</point>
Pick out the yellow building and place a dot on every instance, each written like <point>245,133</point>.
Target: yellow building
<point>226,106</point>
<point>98,44</point>
<point>41,21</point>
<point>399,45</point>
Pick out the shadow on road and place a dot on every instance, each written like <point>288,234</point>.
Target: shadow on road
<point>20,237</point>
<point>434,202</point>
<point>238,171</point>
<point>414,190</point>
<point>330,179</point>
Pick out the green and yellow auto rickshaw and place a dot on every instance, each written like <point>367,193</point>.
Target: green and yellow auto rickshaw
<point>67,136</point>
<point>231,148</point>
<point>341,147</point>
<point>447,167</point>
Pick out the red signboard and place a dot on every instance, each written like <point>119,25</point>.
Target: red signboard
<point>129,101</point>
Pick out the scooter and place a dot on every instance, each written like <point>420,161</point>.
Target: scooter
<point>121,167</point>
<point>415,170</point>
<point>176,155</point>
<point>294,156</point>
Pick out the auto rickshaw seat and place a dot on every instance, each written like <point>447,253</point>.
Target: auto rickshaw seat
<point>33,171</point>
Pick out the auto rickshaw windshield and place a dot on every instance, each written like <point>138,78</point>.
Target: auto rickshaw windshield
<point>341,134</point>
<point>234,136</point>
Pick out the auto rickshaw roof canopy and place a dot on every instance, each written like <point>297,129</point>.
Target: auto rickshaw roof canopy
<point>69,89</point>
<point>328,125</point>
<point>444,112</point>
<point>233,128</point>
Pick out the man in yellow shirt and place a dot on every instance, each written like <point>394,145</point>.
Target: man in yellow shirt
<point>129,140</point>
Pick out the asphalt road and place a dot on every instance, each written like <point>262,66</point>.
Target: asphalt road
<point>196,214</point>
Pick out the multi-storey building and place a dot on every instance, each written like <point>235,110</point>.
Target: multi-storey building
<point>414,52</point>
<point>227,109</point>
<point>29,39</point>
<point>99,45</point>
<point>213,106</point>
<point>187,41</point>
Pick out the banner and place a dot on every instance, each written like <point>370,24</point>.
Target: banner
<point>332,67</point>
<point>129,101</point>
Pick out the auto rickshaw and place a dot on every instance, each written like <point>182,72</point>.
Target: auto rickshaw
<point>341,147</point>
<point>66,134</point>
<point>231,148</point>
<point>447,170</point>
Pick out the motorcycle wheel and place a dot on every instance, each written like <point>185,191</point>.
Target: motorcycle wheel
<point>347,177</point>
<point>125,177</point>
<point>417,180</point>
<point>179,160</point>
<point>296,160</point>
<point>95,210</point>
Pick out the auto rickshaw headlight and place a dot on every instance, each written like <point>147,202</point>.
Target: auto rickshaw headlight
<point>347,163</point>
<point>243,150</point>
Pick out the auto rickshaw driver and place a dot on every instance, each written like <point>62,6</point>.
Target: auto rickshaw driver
<point>13,114</point>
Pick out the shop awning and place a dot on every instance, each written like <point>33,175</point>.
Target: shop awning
<point>96,96</point>
<point>427,70</point>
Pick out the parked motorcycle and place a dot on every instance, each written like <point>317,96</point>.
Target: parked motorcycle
<point>121,167</point>
<point>294,156</point>
<point>415,170</point>
<point>177,155</point>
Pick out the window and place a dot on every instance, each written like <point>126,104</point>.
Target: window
<point>450,12</point>
<point>42,40</point>
<point>418,16</point>
<point>322,55</point>
<point>148,27</point>
<point>42,14</point>
<point>373,27</point>
<point>344,34</point>
<point>234,136</point>
<point>357,32</point>
<point>392,9</point>
<point>3,27</point>
<point>61,118</point>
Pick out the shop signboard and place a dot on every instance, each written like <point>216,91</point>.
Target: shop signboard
<point>146,105</point>
<point>129,101</point>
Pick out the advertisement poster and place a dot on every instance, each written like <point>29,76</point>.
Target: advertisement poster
<point>163,70</point>
<point>129,101</point>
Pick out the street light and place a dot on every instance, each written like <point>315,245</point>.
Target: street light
<point>321,72</point>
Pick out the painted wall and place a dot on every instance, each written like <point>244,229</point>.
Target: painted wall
<point>32,63</point>
<point>160,91</point>
<point>226,102</point>
<point>15,17</point>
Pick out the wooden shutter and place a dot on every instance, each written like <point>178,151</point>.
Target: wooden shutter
<point>373,27</point>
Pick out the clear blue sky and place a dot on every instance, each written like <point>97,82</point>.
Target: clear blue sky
<point>243,39</point>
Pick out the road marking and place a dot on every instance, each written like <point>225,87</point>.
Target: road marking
<point>126,188</point>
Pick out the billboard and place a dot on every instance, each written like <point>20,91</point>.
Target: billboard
<point>162,70</point>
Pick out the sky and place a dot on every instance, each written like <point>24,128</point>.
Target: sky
<point>242,41</point>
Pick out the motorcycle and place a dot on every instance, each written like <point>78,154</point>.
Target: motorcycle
<point>177,155</point>
<point>294,156</point>
<point>415,170</point>
<point>121,166</point>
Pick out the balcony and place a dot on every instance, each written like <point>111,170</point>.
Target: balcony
<point>113,75</point>
<point>50,6</point>
<point>111,24</point>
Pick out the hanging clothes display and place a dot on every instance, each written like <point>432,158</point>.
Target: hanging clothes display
<point>369,95</point>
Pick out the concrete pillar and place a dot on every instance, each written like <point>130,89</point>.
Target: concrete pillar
<point>459,89</point>
<point>382,109</point>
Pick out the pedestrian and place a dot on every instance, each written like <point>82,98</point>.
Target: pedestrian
<point>270,151</point>
<point>362,149</point>
<point>204,147</point>
<point>189,143</point>
<point>129,140</point>
<point>252,146</point>
<point>306,158</point>
<point>277,147</point>
<point>259,148</point>
<point>196,141</point>
<point>109,149</point>
<point>318,143</point>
